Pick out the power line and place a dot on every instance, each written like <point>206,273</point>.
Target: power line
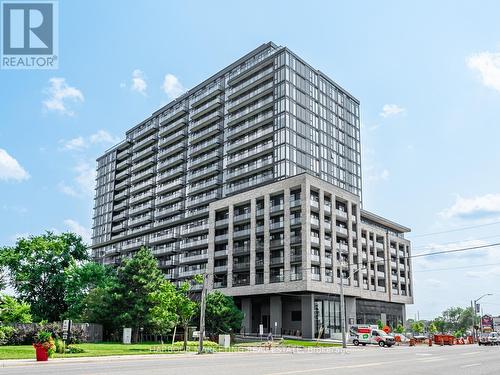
<point>459,268</point>
<point>424,247</point>
<point>454,250</point>
<point>453,230</point>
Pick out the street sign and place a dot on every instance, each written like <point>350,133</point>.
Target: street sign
<point>65,326</point>
<point>196,333</point>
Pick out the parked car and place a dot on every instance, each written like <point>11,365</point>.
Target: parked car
<point>492,338</point>
<point>373,336</point>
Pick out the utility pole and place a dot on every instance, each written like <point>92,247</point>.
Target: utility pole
<point>202,314</point>
<point>342,310</point>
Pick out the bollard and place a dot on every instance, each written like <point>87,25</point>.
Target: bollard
<point>430,341</point>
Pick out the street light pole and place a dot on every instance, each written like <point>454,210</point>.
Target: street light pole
<point>342,306</point>
<point>475,311</point>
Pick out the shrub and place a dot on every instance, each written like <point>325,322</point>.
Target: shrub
<point>59,346</point>
<point>74,349</point>
<point>6,334</point>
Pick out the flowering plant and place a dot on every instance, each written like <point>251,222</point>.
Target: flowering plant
<point>44,339</point>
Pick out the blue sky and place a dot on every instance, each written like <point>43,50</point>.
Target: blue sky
<point>427,75</point>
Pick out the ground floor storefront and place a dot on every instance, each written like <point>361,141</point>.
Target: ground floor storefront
<point>311,315</point>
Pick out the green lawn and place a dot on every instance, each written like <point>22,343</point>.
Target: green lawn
<point>102,349</point>
<point>289,343</point>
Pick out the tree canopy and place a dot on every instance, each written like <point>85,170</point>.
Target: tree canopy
<point>37,266</point>
<point>222,315</point>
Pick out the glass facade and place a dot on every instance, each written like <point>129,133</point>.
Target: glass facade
<point>326,317</point>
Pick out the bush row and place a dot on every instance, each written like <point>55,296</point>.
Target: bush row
<point>23,334</point>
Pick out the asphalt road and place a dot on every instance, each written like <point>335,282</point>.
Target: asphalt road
<point>454,360</point>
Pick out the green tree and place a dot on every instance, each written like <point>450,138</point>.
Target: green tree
<point>137,278</point>
<point>163,314</point>
<point>222,315</point>
<point>14,311</point>
<point>80,281</point>
<point>417,327</point>
<point>433,328</point>
<point>399,328</point>
<point>37,267</point>
<point>186,307</point>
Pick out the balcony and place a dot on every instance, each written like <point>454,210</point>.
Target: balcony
<point>295,239</point>
<point>196,212</point>
<point>141,208</point>
<point>205,198</point>
<point>295,203</point>
<point>341,230</point>
<point>142,175</point>
<point>140,220</point>
<point>249,111</point>
<point>171,185</point>
<point>295,258</point>
<point>241,266</point>
<point>122,164</point>
<point>242,217</point>
<point>252,82</point>
<point>169,174</point>
<point>277,260</point>
<point>141,197</point>
<point>315,258</point>
<point>276,278</point>
<point>121,216</point>
<point>204,159</point>
<point>144,185</point>
<point>341,214</point>
<point>277,243</point>
<point>133,245</point>
<point>194,229</point>
<point>118,227</point>
<point>168,140</point>
<point>252,152</point>
<point>218,269</point>
<point>295,276</point>
<point>168,263</point>
<point>247,169</point>
<point>149,128</point>
<point>122,185</point>
<point>204,133</point>
<point>343,248</point>
<point>220,253</point>
<point>122,195</point>
<point>186,257</point>
<point>171,150</point>
<point>254,181</point>
<point>204,121</point>
<point>204,146</point>
<point>168,210</point>
<point>253,95</point>
<point>193,244</point>
<point>207,93</point>
<point>163,236</point>
<point>315,276</point>
<point>120,206</point>
<point>241,233</point>
<point>205,108</point>
<point>245,249</point>
<point>143,143</point>
<point>260,120</point>
<point>170,162</point>
<point>277,225</point>
<point>315,240</point>
<point>191,273</point>
<point>168,248</point>
<point>121,175</point>
<point>178,124</point>
<point>204,172</point>
<point>169,198</point>
<point>222,222</point>
<point>173,113</point>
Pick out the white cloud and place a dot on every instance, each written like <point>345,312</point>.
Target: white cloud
<point>79,229</point>
<point>488,66</point>
<point>10,169</point>
<point>473,208</point>
<point>77,143</point>
<point>172,86</point>
<point>59,94</point>
<point>83,183</point>
<point>389,110</point>
<point>80,143</point>
<point>373,174</point>
<point>139,82</point>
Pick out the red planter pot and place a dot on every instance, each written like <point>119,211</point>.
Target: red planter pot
<point>42,354</point>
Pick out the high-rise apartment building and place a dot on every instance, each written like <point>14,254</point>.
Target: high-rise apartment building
<point>254,177</point>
